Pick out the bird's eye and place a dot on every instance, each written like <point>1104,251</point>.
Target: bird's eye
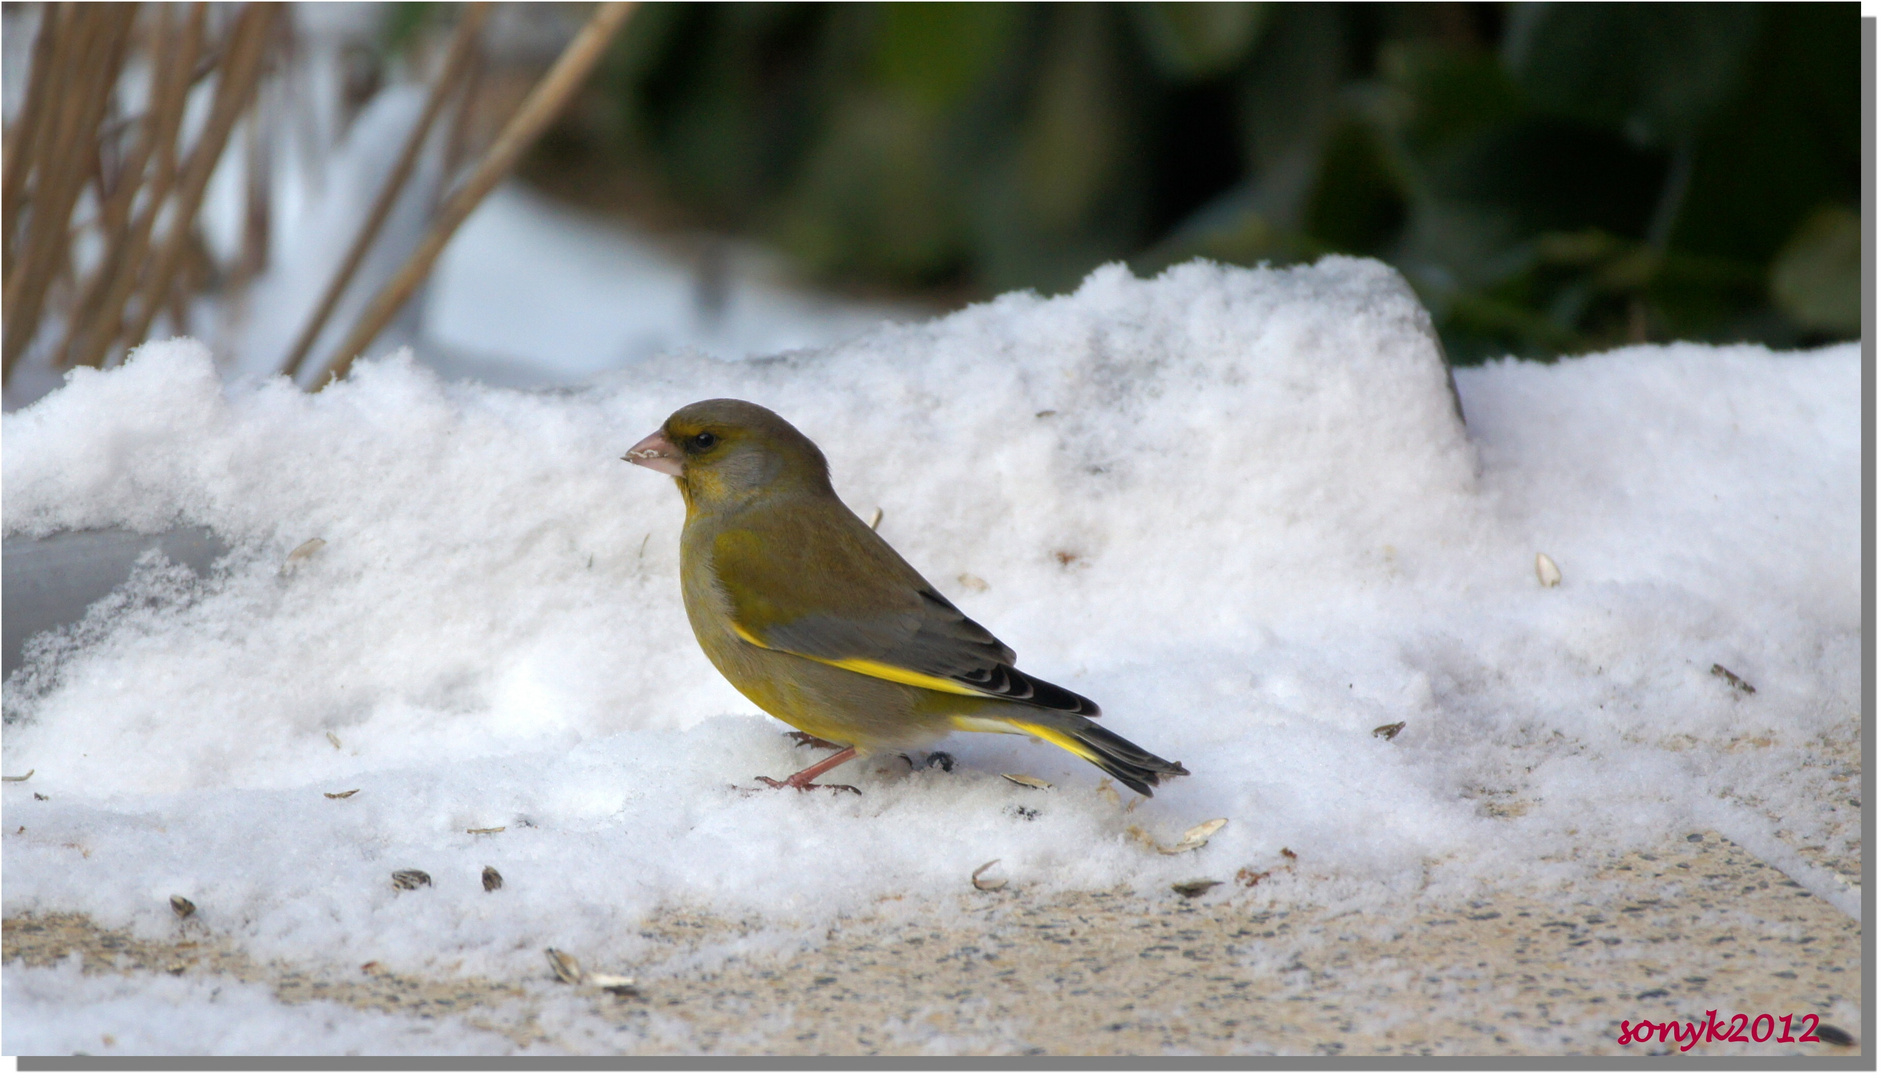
<point>704,441</point>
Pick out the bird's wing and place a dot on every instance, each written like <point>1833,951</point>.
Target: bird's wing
<point>818,583</point>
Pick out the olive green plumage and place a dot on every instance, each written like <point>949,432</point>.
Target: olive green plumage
<point>818,621</point>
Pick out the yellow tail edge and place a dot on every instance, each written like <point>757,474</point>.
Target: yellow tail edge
<point>1004,726</point>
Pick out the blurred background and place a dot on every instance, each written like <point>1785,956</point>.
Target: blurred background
<point>746,178</point>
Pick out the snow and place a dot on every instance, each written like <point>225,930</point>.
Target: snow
<point>56,1011</point>
<point>1236,507</point>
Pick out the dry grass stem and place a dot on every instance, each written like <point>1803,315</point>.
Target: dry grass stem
<point>100,315</point>
<point>543,105</point>
<point>458,59</point>
<point>64,156</point>
<point>235,87</point>
<point>16,161</point>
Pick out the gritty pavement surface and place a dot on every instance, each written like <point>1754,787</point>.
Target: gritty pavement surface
<point>1659,935</point>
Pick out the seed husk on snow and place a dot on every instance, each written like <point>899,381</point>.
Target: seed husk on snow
<point>1026,781</point>
<point>1734,680</point>
<point>569,970</point>
<point>301,555</point>
<point>1195,887</point>
<point>182,906</point>
<point>17,779</point>
<point>877,518</point>
<point>565,966</point>
<point>1548,574</point>
<point>1195,837</point>
<point>335,739</point>
<point>341,794</point>
<point>493,881</point>
<point>486,832</point>
<point>410,879</point>
<point>619,985</point>
<point>1388,731</point>
<point>986,884</point>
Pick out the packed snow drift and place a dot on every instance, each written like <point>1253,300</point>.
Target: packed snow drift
<point>1238,508</point>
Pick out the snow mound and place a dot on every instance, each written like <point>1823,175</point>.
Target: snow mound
<point>1239,508</point>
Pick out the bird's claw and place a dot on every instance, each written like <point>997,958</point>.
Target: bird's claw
<point>777,784</point>
<point>804,739</point>
<point>937,760</point>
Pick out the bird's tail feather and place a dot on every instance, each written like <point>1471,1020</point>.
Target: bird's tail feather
<point>1130,764</point>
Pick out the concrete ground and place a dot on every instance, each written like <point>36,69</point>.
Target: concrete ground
<point>1697,925</point>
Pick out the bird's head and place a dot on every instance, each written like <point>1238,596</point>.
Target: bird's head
<point>724,451</point>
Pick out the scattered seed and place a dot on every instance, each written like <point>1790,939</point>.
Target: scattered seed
<point>1548,574</point>
<point>1290,855</point>
<point>986,885</point>
<point>1066,558</point>
<point>1106,788</point>
<point>1195,837</point>
<point>17,779</point>
<point>1248,877</point>
<point>1388,731</point>
<point>371,967</point>
<point>877,518</point>
<point>182,906</point>
<point>41,798</point>
<point>301,555</point>
<point>493,881</point>
<point>619,985</point>
<point>565,967</point>
<point>970,581</point>
<point>1198,835</point>
<point>1734,680</point>
<point>410,879</point>
<point>335,739</point>
<point>350,792</point>
<point>1836,1036</point>
<point>1195,887</point>
<point>1026,781</point>
<point>486,832</point>
<point>1045,413</point>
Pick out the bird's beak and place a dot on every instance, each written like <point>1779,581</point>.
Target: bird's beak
<point>657,453</point>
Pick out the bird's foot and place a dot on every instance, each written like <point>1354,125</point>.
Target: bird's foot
<point>806,785</point>
<point>813,741</point>
<point>802,780</point>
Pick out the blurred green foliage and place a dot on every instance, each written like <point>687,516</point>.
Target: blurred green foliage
<point>1552,178</point>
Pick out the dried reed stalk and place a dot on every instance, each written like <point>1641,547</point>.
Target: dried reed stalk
<point>241,69</point>
<point>100,314</point>
<point>64,157</point>
<point>546,100</point>
<point>458,59</point>
<point>16,161</point>
<point>114,220</point>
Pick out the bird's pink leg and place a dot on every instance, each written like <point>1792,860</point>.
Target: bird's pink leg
<point>802,780</point>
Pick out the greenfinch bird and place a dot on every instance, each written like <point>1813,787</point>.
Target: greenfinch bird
<point>812,615</point>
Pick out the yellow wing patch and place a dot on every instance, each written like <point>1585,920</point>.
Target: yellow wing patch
<point>891,673</point>
<point>876,669</point>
